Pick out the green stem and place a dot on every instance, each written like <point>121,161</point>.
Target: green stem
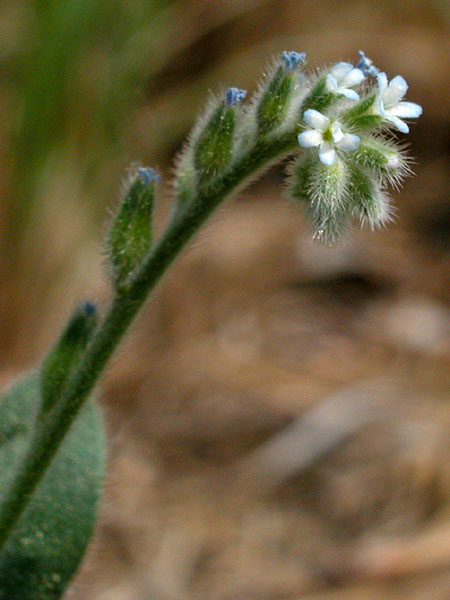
<point>184,224</point>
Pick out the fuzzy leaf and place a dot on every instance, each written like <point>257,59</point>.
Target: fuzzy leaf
<point>51,537</point>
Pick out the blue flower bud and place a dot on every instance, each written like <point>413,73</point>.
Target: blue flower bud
<point>234,96</point>
<point>365,64</point>
<point>148,175</point>
<point>90,309</point>
<point>293,59</point>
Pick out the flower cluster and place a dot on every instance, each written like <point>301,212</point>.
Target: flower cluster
<point>338,122</point>
<point>351,154</point>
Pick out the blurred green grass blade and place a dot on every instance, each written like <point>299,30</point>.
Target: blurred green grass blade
<point>50,539</point>
<point>64,40</point>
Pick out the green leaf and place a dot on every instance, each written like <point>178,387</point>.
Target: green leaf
<point>51,537</point>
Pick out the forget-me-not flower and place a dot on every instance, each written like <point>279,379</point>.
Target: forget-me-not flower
<point>342,77</point>
<point>326,135</point>
<point>388,102</point>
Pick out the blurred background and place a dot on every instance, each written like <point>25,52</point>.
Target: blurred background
<point>279,415</point>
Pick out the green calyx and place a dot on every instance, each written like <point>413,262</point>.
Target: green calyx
<point>274,104</point>
<point>319,98</point>
<point>322,189</point>
<point>214,147</point>
<point>66,353</point>
<point>359,116</point>
<point>130,236</point>
<point>369,203</point>
<point>382,158</point>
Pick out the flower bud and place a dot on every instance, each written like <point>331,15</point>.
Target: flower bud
<point>383,159</point>
<point>130,236</point>
<point>360,115</point>
<point>368,201</point>
<point>63,357</point>
<point>320,97</point>
<point>213,148</point>
<point>366,65</point>
<point>277,94</point>
<point>322,189</point>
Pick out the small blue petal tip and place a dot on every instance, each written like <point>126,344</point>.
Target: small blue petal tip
<point>293,59</point>
<point>89,309</point>
<point>234,96</point>
<point>148,175</point>
<point>365,64</point>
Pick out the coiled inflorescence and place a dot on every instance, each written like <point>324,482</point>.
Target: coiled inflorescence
<point>338,122</point>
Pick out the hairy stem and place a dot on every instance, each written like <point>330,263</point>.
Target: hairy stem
<point>185,223</point>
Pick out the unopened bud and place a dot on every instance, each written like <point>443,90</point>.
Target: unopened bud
<point>130,236</point>
<point>277,94</point>
<point>322,190</point>
<point>67,351</point>
<point>214,147</point>
<point>368,201</point>
<point>383,158</point>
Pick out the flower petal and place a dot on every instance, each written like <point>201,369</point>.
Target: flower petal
<point>353,78</point>
<point>310,138</point>
<point>380,107</point>
<point>350,94</point>
<point>336,132</point>
<point>349,142</point>
<point>398,123</point>
<point>327,154</point>
<point>407,110</point>
<point>332,85</point>
<point>382,82</point>
<point>341,69</point>
<point>316,119</point>
<point>395,91</point>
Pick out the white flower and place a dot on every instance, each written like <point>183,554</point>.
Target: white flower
<point>326,135</point>
<point>342,77</point>
<point>388,103</point>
